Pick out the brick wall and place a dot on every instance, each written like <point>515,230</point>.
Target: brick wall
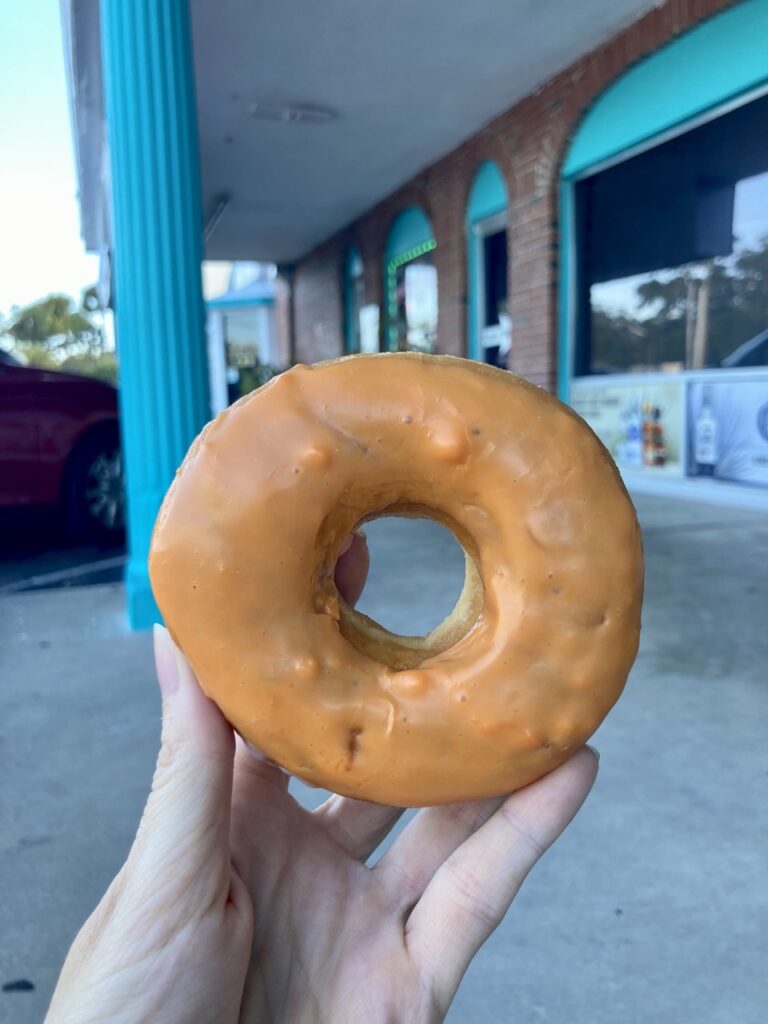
<point>528,143</point>
<point>318,309</point>
<point>283,320</point>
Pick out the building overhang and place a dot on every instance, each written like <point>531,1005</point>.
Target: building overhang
<point>310,114</point>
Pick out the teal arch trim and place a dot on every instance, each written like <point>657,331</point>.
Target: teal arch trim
<point>487,198</point>
<point>225,304</point>
<point>353,270</point>
<point>353,262</point>
<point>409,237</point>
<point>712,63</point>
<point>715,64</point>
<point>409,229</point>
<point>488,194</point>
<point>567,292</point>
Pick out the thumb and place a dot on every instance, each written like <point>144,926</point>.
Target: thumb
<point>185,825</point>
<point>352,567</point>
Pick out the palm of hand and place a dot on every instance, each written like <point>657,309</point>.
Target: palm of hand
<point>328,940</point>
<point>337,941</point>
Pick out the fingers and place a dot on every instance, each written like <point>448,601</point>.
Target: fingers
<point>472,891</point>
<point>356,825</point>
<point>352,568</point>
<point>185,824</point>
<point>428,840</point>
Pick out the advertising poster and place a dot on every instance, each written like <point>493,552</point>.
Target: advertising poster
<point>640,424</point>
<point>728,430</point>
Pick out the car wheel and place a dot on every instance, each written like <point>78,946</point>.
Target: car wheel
<point>94,492</point>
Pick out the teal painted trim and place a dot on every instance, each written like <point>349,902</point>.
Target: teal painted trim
<point>473,258</point>
<point>353,269</point>
<point>390,286</point>
<point>564,314</point>
<point>238,303</point>
<point>713,63</point>
<point>488,194</point>
<point>160,319</point>
<point>411,254</point>
<point>409,229</point>
<point>487,198</point>
<point>139,600</point>
<point>353,262</point>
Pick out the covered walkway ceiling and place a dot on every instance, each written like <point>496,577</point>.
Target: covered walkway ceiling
<point>408,81</point>
<point>405,81</point>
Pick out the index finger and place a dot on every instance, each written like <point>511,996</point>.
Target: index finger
<point>352,568</point>
<point>470,894</point>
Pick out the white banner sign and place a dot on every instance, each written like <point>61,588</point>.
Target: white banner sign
<point>728,430</point>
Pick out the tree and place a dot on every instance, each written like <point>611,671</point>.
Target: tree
<point>57,327</point>
<point>736,297</point>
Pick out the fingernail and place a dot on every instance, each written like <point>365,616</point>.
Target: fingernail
<point>594,750</point>
<point>362,535</point>
<point>346,544</point>
<point>166,661</point>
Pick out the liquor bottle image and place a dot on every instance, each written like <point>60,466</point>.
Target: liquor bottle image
<point>659,444</point>
<point>633,448</point>
<point>649,440</point>
<point>705,436</point>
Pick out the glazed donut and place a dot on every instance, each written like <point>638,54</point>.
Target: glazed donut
<point>534,654</point>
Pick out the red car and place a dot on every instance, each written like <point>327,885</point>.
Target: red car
<point>60,446</point>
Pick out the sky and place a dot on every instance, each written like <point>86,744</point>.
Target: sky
<point>40,246</point>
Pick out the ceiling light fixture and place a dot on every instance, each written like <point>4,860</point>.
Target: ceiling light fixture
<point>308,113</point>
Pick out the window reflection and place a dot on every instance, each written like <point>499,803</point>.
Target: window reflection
<point>250,351</point>
<point>674,253</point>
<point>416,305</point>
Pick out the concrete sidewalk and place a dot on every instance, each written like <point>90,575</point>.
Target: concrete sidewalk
<point>653,907</point>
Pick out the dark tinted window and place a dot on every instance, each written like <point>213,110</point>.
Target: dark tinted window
<point>495,253</point>
<point>673,252</point>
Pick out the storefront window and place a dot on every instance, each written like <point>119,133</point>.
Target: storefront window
<point>672,269</point>
<point>410,285</point>
<point>415,300</point>
<point>495,327</point>
<point>354,297</point>
<point>248,341</point>
<point>488,334</point>
<point>495,252</point>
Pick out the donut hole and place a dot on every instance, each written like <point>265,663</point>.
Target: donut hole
<point>423,591</point>
<point>415,577</point>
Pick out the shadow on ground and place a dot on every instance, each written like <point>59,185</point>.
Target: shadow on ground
<point>35,554</point>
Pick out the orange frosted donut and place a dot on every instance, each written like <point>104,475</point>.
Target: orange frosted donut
<point>539,645</point>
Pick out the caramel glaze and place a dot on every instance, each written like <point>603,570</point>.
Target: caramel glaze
<point>540,644</point>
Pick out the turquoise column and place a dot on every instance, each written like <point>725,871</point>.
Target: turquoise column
<point>157,251</point>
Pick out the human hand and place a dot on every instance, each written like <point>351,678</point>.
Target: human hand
<point>236,904</point>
